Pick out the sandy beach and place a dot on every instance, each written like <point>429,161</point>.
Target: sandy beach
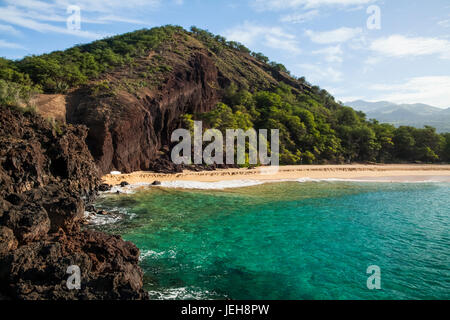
<point>394,173</point>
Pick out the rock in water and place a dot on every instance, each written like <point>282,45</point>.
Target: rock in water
<point>104,187</point>
<point>44,175</point>
<point>156,183</point>
<point>90,208</point>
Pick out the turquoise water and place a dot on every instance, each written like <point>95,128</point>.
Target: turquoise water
<point>291,240</point>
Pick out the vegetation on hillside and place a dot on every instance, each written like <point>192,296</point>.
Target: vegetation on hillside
<point>59,71</point>
<point>17,96</point>
<point>312,133</point>
<point>314,128</point>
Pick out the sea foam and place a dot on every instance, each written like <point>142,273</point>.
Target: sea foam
<point>100,220</point>
<point>219,185</point>
<point>129,189</point>
<point>230,184</point>
<point>183,293</point>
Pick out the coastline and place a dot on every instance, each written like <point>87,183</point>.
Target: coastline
<point>389,173</point>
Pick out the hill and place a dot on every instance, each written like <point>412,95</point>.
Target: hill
<point>416,115</point>
<point>133,90</point>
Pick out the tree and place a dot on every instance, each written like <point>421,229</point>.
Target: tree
<point>445,153</point>
<point>404,143</point>
<point>260,57</point>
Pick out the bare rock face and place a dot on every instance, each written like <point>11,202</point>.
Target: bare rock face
<point>29,221</point>
<point>46,173</point>
<point>108,268</point>
<point>7,240</point>
<point>127,132</point>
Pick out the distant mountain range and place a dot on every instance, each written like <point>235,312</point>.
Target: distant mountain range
<point>415,115</point>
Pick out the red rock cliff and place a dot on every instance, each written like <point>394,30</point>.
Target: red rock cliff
<point>126,131</point>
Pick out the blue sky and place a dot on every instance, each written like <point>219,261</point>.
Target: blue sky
<point>405,60</point>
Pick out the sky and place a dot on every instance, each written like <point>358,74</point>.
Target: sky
<point>391,50</point>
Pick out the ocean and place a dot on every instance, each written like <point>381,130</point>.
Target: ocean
<point>301,239</point>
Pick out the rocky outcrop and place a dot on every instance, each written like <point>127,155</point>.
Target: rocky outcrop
<point>128,131</point>
<point>38,270</point>
<point>46,176</point>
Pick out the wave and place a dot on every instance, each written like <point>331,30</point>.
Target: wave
<point>153,254</point>
<point>129,189</point>
<point>231,184</point>
<point>183,293</point>
<point>219,185</point>
<point>115,214</point>
<point>379,180</point>
<point>100,220</point>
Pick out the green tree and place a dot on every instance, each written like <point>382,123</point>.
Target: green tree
<point>404,143</point>
<point>445,153</point>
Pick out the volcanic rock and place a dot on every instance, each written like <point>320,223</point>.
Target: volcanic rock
<point>46,178</point>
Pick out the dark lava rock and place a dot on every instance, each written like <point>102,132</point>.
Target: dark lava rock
<point>124,184</point>
<point>108,265</point>
<point>29,222</point>
<point>165,165</point>
<point>44,175</point>
<point>104,187</point>
<point>156,183</point>
<point>7,240</point>
<point>90,208</point>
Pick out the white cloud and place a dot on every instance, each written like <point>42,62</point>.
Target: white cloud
<point>102,6</point>
<point>345,99</point>
<point>300,17</point>
<point>31,4</point>
<point>372,60</point>
<point>8,29</point>
<point>107,6</point>
<point>13,16</point>
<point>41,15</point>
<point>10,45</point>
<point>290,4</point>
<point>319,73</point>
<point>114,18</point>
<point>332,54</point>
<point>333,36</point>
<point>432,90</point>
<point>272,37</point>
<point>401,46</point>
<point>444,23</point>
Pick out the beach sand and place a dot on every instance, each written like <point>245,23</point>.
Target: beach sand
<point>394,173</point>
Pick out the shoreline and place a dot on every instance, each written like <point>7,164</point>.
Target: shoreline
<point>388,173</point>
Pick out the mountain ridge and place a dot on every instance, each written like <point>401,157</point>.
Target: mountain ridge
<point>417,115</point>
